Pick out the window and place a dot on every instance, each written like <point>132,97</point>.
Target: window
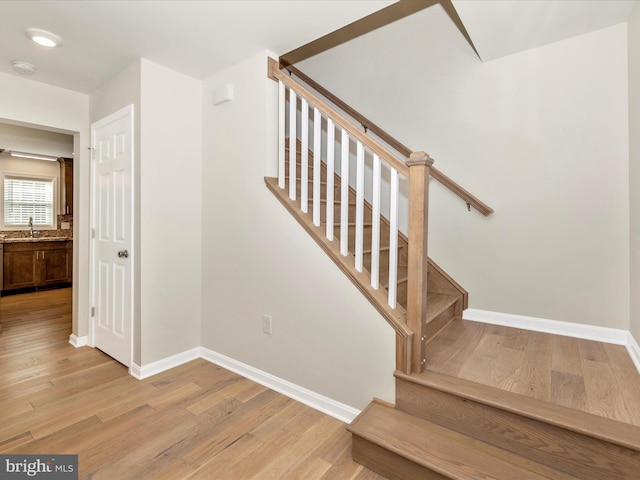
<point>26,198</point>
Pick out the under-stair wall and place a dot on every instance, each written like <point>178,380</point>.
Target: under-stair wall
<point>326,336</point>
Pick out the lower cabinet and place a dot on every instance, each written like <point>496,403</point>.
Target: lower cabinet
<point>37,264</point>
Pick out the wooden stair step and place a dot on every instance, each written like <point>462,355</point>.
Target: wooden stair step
<point>442,309</point>
<point>576,443</point>
<point>403,275</point>
<point>438,303</point>
<point>386,249</point>
<point>353,224</point>
<point>310,180</point>
<point>400,446</point>
<point>351,203</point>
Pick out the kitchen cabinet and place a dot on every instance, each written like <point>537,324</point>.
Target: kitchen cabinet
<point>66,185</point>
<point>37,264</point>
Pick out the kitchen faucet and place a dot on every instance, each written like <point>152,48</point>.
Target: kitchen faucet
<point>31,227</point>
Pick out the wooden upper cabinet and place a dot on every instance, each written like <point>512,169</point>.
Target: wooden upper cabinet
<point>66,186</point>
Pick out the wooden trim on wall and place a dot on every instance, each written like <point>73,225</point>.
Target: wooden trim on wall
<point>387,15</point>
<point>455,18</point>
<point>371,22</point>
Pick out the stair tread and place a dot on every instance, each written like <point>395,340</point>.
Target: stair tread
<point>438,303</point>
<point>601,428</point>
<point>449,453</point>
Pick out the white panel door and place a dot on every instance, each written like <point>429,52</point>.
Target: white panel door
<point>112,143</point>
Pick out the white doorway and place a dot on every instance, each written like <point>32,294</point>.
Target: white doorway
<point>111,232</point>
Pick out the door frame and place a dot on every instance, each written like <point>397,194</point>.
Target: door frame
<point>129,111</point>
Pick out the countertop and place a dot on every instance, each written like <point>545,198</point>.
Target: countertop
<point>35,239</point>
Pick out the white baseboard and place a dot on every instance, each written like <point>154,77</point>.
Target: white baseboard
<point>159,366</point>
<point>326,405</point>
<point>556,327</point>
<point>78,341</point>
<point>634,351</point>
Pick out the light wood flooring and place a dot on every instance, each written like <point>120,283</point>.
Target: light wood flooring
<point>197,421</point>
<point>593,377</point>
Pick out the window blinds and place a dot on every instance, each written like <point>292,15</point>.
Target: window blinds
<point>27,198</point>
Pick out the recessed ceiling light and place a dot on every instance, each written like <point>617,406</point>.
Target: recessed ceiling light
<point>23,68</point>
<point>44,38</point>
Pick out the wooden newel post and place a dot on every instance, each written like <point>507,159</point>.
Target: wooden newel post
<point>419,164</point>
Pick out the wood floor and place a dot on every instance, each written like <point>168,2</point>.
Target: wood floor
<point>593,377</point>
<point>197,421</point>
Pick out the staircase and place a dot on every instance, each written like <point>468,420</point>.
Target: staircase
<point>441,427</point>
<point>445,298</point>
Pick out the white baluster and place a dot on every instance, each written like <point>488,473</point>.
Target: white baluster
<point>281,133</point>
<point>344,197</point>
<point>393,240</point>
<point>359,206</point>
<point>331,132</point>
<point>304,170</point>
<point>293,101</point>
<point>317,148</point>
<point>375,229</point>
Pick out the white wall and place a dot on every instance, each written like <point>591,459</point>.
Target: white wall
<point>167,204</point>
<point>634,165</point>
<point>13,165</point>
<point>257,260</point>
<point>170,212</point>
<point>32,140</point>
<point>33,104</point>
<point>540,136</point>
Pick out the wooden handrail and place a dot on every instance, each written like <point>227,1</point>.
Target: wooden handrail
<point>276,74</point>
<point>403,149</point>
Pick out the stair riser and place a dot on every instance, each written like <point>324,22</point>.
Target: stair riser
<point>441,321</point>
<point>323,172</point>
<point>323,190</point>
<point>572,453</point>
<point>337,211</point>
<point>389,464</point>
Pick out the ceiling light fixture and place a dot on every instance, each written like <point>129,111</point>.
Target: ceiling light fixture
<point>44,38</point>
<point>23,68</point>
<point>35,156</point>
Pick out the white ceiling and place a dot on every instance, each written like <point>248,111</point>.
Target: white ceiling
<point>197,38</point>
<point>502,27</point>
<point>200,38</point>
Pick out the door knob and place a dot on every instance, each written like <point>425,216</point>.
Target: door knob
<point>123,253</point>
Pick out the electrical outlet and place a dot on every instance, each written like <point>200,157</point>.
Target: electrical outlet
<point>65,226</point>
<point>266,324</point>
